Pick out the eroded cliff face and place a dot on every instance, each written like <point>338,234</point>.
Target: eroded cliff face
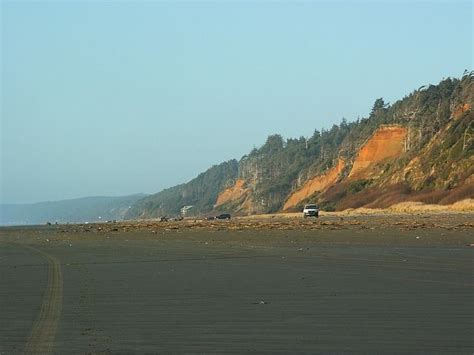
<point>316,184</point>
<point>444,162</point>
<point>387,142</point>
<point>425,153</point>
<point>232,193</point>
<point>460,109</point>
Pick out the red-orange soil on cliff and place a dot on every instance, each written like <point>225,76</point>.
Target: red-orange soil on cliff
<point>232,193</point>
<point>316,184</point>
<point>386,142</point>
<point>461,109</point>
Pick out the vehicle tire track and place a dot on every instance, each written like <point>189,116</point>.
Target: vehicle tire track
<point>43,333</point>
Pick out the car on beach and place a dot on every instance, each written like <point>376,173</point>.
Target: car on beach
<point>310,211</point>
<point>223,216</point>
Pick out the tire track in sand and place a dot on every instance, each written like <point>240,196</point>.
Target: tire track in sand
<point>43,333</point>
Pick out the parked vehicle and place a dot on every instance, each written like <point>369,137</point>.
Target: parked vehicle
<point>311,211</point>
<point>223,216</point>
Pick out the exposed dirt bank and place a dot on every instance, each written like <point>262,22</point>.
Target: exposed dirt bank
<point>232,193</point>
<point>316,184</point>
<point>386,142</point>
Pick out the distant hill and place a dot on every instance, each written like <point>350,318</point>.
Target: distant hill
<point>419,148</point>
<point>87,209</point>
<point>201,193</point>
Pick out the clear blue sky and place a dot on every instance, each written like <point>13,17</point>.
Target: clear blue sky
<point>114,98</point>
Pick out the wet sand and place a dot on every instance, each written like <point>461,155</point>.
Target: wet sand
<point>360,284</point>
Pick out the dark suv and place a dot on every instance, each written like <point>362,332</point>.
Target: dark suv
<point>223,216</point>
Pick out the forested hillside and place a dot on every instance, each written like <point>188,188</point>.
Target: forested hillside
<point>419,148</point>
<point>201,193</point>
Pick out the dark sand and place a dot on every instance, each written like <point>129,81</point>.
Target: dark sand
<point>361,284</point>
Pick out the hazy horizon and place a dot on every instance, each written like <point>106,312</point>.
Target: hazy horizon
<point>113,99</point>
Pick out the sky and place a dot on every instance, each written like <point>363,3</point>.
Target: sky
<point>115,98</point>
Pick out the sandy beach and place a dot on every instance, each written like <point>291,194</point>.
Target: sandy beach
<point>397,283</point>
